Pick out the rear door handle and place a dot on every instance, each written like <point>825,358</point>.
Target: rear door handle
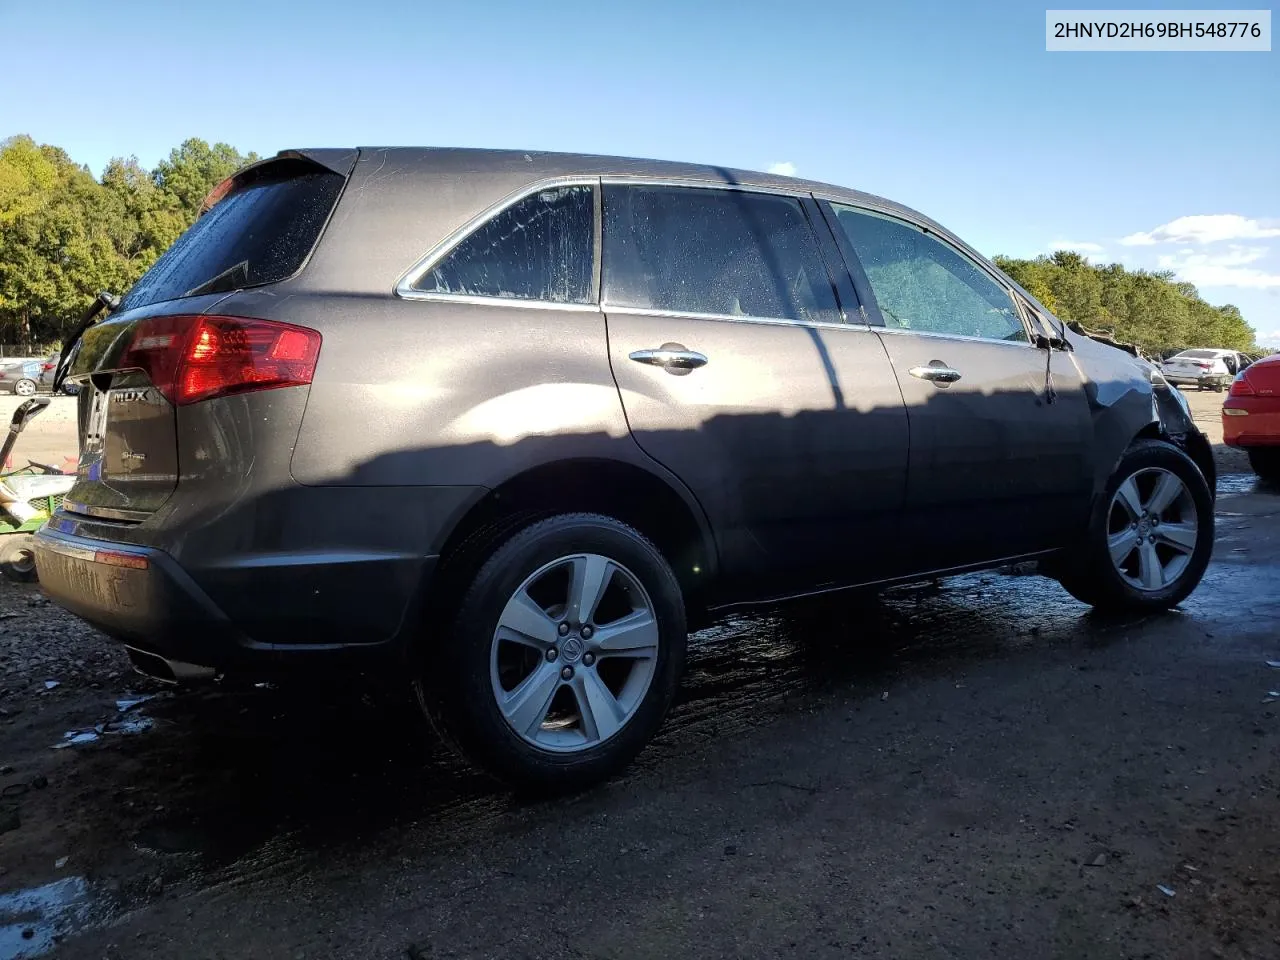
<point>673,357</point>
<point>936,374</point>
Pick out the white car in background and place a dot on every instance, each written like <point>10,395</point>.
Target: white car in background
<point>1204,368</point>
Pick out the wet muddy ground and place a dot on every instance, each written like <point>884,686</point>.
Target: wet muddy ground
<point>976,769</point>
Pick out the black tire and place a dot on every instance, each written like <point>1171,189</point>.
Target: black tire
<point>1265,462</point>
<point>1089,574</point>
<point>26,387</point>
<point>454,686</point>
<point>18,558</point>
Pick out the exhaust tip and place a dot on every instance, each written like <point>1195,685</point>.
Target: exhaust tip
<point>168,671</point>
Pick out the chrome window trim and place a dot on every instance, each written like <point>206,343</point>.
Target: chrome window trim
<point>642,180</point>
<point>730,318</point>
<point>935,335</point>
<point>959,247</point>
<point>499,301</point>
<point>405,285</point>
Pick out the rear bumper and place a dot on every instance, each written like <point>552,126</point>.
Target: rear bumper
<point>144,598</point>
<point>1251,422</point>
<point>1205,380</point>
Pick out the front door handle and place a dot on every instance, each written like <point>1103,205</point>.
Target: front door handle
<point>673,357</point>
<point>936,373</point>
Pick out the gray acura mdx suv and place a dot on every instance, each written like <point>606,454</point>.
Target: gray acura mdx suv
<point>509,423</point>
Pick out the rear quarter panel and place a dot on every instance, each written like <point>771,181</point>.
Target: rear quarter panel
<point>422,393</point>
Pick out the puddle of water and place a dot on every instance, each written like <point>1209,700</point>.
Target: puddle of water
<point>1235,484</point>
<point>32,921</point>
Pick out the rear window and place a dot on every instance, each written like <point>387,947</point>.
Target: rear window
<point>1198,355</point>
<point>261,232</point>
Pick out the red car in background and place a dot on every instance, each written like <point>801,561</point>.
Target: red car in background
<point>1251,416</point>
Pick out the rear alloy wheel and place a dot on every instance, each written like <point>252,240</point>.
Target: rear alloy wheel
<point>18,557</point>
<point>25,387</point>
<point>1151,535</point>
<point>1265,462</point>
<point>565,654</point>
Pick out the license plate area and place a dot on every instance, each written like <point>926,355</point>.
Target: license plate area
<point>94,586</point>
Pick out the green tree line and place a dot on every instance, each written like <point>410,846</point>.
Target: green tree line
<point>65,235</point>
<point>1149,309</point>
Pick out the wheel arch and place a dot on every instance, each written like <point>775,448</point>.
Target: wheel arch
<point>657,505</point>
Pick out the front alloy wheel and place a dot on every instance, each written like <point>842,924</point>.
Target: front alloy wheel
<point>1150,538</point>
<point>1151,529</point>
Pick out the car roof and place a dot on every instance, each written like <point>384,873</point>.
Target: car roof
<point>412,198</point>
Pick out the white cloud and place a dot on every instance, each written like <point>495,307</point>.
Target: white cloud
<point>1269,338</point>
<point>784,168</point>
<point>1079,246</point>
<point>1235,256</point>
<point>1206,228</point>
<point>1227,269</point>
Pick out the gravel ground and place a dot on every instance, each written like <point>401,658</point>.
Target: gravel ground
<point>981,769</point>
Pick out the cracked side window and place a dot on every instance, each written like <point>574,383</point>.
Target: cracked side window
<point>922,283</point>
<point>540,248</point>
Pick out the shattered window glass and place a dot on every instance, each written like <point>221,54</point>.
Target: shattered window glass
<point>924,284</point>
<point>721,252</point>
<point>260,232</point>
<point>537,249</point>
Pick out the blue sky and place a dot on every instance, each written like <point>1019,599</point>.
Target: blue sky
<point>1156,160</point>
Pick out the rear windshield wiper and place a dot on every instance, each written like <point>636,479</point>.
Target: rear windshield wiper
<point>103,300</point>
<point>232,278</point>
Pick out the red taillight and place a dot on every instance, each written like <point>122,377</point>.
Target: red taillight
<point>197,358</point>
<point>47,367</point>
<point>1240,387</point>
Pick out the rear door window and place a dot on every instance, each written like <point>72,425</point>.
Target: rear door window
<point>261,232</point>
<point>722,253</point>
<point>539,248</point>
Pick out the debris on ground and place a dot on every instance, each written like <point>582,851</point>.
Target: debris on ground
<point>134,724</point>
<point>1167,891</point>
<point>127,704</point>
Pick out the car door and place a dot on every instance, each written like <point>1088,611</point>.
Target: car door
<point>720,307</point>
<point>1001,437</point>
